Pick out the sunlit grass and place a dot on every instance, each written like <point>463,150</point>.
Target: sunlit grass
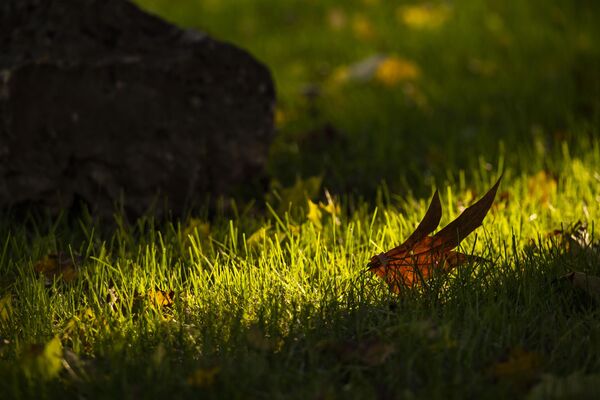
<point>274,300</point>
<point>295,306</point>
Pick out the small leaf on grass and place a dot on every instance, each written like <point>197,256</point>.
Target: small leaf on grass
<point>423,16</point>
<point>541,186</point>
<point>203,377</point>
<point>331,208</point>
<point>161,298</point>
<point>590,284</point>
<point>421,255</point>
<point>257,237</point>
<point>5,308</point>
<point>43,361</point>
<point>281,197</point>
<point>576,238</point>
<point>196,226</point>
<point>394,70</point>
<point>112,298</point>
<point>57,265</point>
<point>314,214</point>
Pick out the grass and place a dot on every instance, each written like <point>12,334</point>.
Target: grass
<point>292,312</point>
<point>276,302</point>
<point>520,73</point>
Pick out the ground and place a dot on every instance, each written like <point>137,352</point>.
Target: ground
<point>379,105</point>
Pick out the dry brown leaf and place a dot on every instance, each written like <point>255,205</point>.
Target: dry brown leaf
<point>575,238</point>
<point>590,284</point>
<point>420,255</point>
<point>57,265</point>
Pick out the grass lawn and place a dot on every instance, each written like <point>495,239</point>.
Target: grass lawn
<point>379,104</point>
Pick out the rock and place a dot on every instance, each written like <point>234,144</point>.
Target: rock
<point>101,101</point>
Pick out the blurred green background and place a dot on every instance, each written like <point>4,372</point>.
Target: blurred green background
<point>405,93</point>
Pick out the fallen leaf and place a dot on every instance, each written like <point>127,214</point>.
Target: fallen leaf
<point>197,229</point>
<point>315,211</point>
<point>58,265</point>
<point>590,284</point>
<point>421,255</point>
<point>363,28</point>
<point>5,308</point>
<point>388,70</point>
<point>393,70</point>
<point>542,186</point>
<point>423,16</point>
<point>576,238</point>
<point>336,19</point>
<point>331,208</point>
<point>112,298</point>
<point>43,361</point>
<point>257,237</point>
<point>314,214</point>
<point>161,298</point>
<point>283,197</point>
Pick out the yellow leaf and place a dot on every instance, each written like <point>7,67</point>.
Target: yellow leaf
<point>314,214</point>
<point>196,226</point>
<point>161,298</point>
<point>203,377</point>
<point>542,186</point>
<point>44,362</point>
<point>257,237</point>
<point>340,75</point>
<point>294,230</point>
<point>331,208</point>
<point>394,70</point>
<point>58,265</point>
<point>5,307</point>
<point>295,194</point>
<point>79,324</point>
<point>423,16</point>
<point>280,117</point>
<point>362,27</point>
<point>336,19</point>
